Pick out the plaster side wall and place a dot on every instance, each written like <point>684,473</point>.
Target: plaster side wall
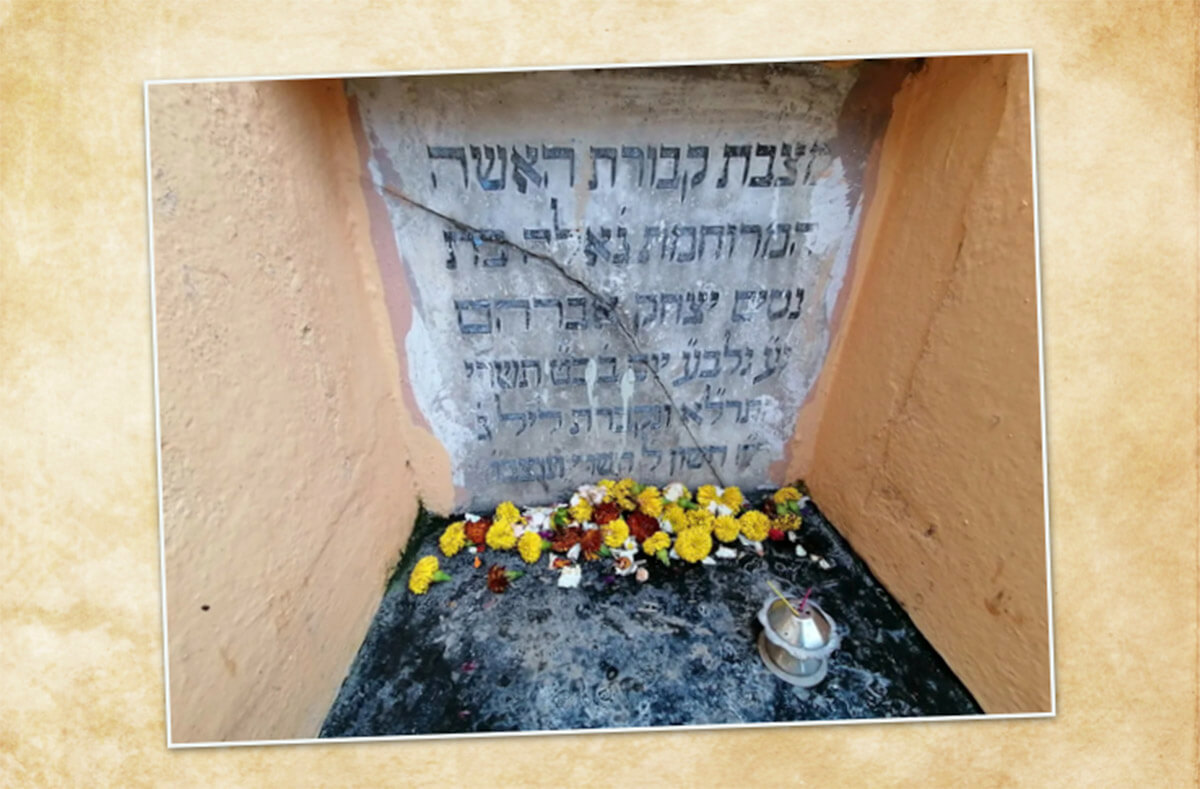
<point>287,486</point>
<point>928,454</point>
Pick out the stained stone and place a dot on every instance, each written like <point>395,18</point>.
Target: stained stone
<point>678,649</point>
<point>611,273</point>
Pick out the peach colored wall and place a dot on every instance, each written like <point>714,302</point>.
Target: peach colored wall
<point>287,449</point>
<point>928,454</point>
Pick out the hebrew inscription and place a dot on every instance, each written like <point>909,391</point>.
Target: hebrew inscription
<point>611,273</point>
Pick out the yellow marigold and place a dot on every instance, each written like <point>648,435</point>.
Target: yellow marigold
<point>692,545</point>
<point>507,513</point>
<point>784,495</point>
<point>650,501</point>
<point>755,525</point>
<point>452,539</point>
<point>581,512</point>
<point>732,498</point>
<point>659,541</point>
<point>616,532</point>
<point>700,519</point>
<point>500,536</point>
<point>675,515</point>
<point>706,494</point>
<point>422,575</point>
<point>530,546</point>
<point>608,485</point>
<point>623,494</point>
<point>788,522</point>
<point>726,528</point>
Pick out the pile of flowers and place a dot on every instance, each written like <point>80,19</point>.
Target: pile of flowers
<point>623,525</point>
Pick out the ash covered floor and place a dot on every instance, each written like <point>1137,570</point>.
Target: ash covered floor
<point>677,649</point>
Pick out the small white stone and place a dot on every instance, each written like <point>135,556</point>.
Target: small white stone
<point>800,551</point>
<point>792,536</point>
<point>708,560</point>
<point>725,552</point>
<point>469,518</point>
<point>473,549</point>
<point>570,576</point>
<point>825,564</point>
<point>812,557</point>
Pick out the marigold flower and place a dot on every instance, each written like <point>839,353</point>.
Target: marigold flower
<point>605,513</point>
<point>508,513</point>
<point>609,486</point>
<point>622,493</point>
<point>755,525</point>
<point>650,501</point>
<point>706,494</point>
<point>581,511</point>
<point>732,498</point>
<point>788,522</point>
<point>784,495</point>
<point>616,533</point>
<point>641,525</point>
<point>423,575</point>
<point>501,536</point>
<point>476,531</point>
<point>453,538</point>
<point>692,545</point>
<point>659,541</point>
<point>676,516</point>
<point>700,519</point>
<point>726,528</point>
<point>530,547</point>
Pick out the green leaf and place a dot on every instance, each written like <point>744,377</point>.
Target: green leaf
<point>663,556</point>
<point>605,551</point>
<point>687,504</point>
<point>545,544</point>
<point>441,575</point>
<point>514,574</point>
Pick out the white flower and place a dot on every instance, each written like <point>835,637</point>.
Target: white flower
<point>539,518</point>
<point>570,576</point>
<point>593,493</point>
<point>573,551</point>
<point>673,491</point>
<point>623,561</point>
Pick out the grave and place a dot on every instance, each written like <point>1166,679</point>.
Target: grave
<point>613,273</point>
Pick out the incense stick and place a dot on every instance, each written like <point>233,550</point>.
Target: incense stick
<point>779,594</point>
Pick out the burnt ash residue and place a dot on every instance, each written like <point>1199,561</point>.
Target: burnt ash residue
<point>678,649</point>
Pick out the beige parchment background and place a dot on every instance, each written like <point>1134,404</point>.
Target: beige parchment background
<point>81,683</point>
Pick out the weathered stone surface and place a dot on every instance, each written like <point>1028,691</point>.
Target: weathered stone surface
<point>613,272</point>
<point>678,649</point>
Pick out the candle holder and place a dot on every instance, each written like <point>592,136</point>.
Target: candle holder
<point>795,644</point>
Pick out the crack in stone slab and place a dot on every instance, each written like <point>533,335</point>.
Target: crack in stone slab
<point>591,291</point>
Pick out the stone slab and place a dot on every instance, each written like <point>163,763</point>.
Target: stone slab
<point>612,273</point>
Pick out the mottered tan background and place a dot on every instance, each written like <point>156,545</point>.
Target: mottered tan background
<point>81,683</point>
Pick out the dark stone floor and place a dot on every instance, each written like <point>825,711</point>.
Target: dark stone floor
<point>678,649</point>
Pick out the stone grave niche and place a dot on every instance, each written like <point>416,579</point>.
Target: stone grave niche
<point>612,273</point>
